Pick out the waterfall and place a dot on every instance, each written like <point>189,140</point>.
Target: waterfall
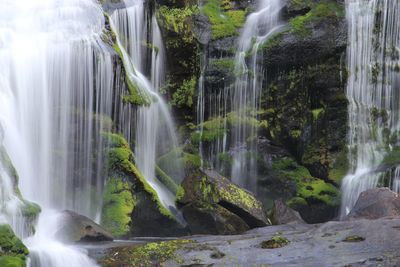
<point>372,91</point>
<point>155,129</point>
<point>247,90</point>
<point>55,80</point>
<point>238,104</point>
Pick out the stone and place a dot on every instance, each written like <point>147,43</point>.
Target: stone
<point>282,214</point>
<point>208,197</point>
<point>79,228</point>
<point>376,203</point>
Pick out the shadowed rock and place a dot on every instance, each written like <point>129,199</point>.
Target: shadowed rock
<point>282,214</point>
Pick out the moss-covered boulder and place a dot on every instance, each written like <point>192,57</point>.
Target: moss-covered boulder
<point>13,252</point>
<point>210,203</point>
<point>316,200</point>
<point>132,207</point>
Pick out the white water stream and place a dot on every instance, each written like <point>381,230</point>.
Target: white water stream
<point>49,90</point>
<point>373,92</point>
<point>242,100</point>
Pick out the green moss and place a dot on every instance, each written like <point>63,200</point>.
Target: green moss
<point>353,238</point>
<point>166,180</point>
<point>180,194</point>
<point>120,159</point>
<point>12,251</point>
<point>238,196</point>
<point>118,204</point>
<point>392,158</point>
<point>319,11</point>
<point>11,261</point>
<point>317,112</point>
<point>226,65</point>
<point>136,95</point>
<point>178,20</point>
<point>183,97</point>
<point>296,202</point>
<point>273,41</point>
<point>223,23</point>
<point>150,254</point>
<point>30,210</point>
<point>308,188</point>
<point>275,242</point>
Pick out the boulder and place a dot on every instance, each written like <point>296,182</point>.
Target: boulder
<point>79,228</point>
<point>376,203</point>
<point>208,200</point>
<point>282,214</point>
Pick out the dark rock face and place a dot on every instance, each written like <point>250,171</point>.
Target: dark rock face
<point>212,204</point>
<point>282,214</point>
<point>376,203</point>
<point>79,228</point>
<point>148,221</point>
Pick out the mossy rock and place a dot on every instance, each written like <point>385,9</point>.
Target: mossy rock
<point>150,254</point>
<point>205,190</point>
<point>138,211</point>
<point>225,21</point>
<point>315,199</point>
<point>11,261</point>
<point>118,205</point>
<point>13,251</point>
<point>275,242</point>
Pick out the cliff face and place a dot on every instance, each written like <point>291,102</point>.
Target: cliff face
<point>303,116</point>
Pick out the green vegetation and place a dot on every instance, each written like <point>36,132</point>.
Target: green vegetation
<point>309,189</point>
<point>319,11</point>
<point>226,65</point>
<point>118,204</point>
<point>353,238</point>
<point>150,254</point>
<point>275,242</point>
<point>178,20</point>
<point>183,97</point>
<point>13,252</point>
<point>120,160</point>
<point>136,95</point>
<point>224,22</point>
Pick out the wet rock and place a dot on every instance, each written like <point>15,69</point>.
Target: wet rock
<point>376,203</point>
<point>282,214</point>
<point>79,228</point>
<point>371,243</point>
<point>209,200</point>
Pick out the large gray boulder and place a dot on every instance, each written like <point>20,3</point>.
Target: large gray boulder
<point>376,203</point>
<point>79,228</point>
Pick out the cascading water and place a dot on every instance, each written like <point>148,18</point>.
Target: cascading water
<point>154,123</point>
<point>373,92</point>
<point>248,86</point>
<point>239,104</point>
<point>56,76</point>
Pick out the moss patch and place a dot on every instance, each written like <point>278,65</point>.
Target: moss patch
<point>13,252</point>
<point>183,97</point>
<point>275,242</point>
<point>309,188</point>
<point>150,254</point>
<point>353,238</point>
<point>319,11</point>
<point>224,21</point>
<point>118,204</point>
<point>120,159</point>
